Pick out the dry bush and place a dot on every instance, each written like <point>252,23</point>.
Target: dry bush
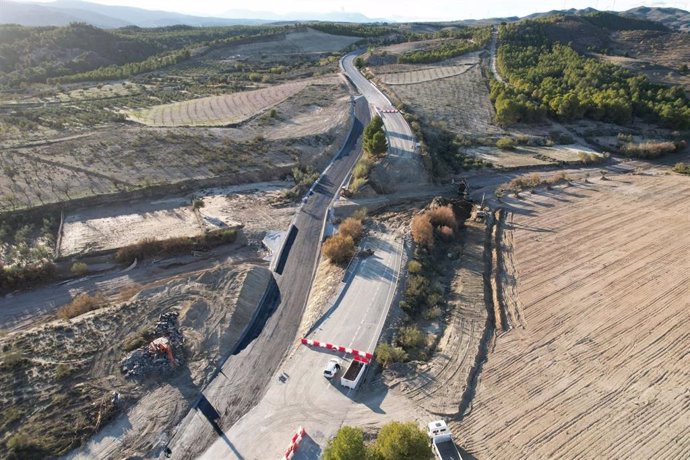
<point>648,149</point>
<point>414,267</point>
<point>443,216</point>
<point>505,143</point>
<point>129,292</point>
<point>81,304</point>
<point>339,249</point>
<point>682,168</point>
<point>351,227</point>
<point>446,233</point>
<point>589,158</point>
<point>360,214</point>
<point>423,231</point>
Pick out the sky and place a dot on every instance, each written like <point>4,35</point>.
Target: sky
<point>392,9</point>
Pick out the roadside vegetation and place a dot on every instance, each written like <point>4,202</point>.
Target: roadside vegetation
<point>435,234</point>
<point>340,248</point>
<point>82,303</point>
<point>395,441</point>
<point>532,181</point>
<point>375,146</point>
<point>551,79</point>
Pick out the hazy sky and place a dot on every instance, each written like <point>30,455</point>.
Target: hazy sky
<point>393,9</point>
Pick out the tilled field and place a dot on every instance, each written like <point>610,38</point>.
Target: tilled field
<point>218,110</point>
<point>461,102</point>
<point>420,76</point>
<point>601,368</point>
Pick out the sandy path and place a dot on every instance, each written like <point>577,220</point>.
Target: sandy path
<point>601,368</point>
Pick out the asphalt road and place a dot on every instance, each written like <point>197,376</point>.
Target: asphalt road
<point>401,140</point>
<point>306,398</point>
<point>243,379</point>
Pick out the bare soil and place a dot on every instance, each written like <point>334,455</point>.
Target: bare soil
<point>256,207</point>
<point>598,367</point>
<point>60,394</point>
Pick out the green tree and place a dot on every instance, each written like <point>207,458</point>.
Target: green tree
<point>402,441</point>
<point>378,143</point>
<point>348,444</point>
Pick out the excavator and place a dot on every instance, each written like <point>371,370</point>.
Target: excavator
<point>162,345</point>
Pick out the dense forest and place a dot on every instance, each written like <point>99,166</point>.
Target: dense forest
<point>547,78</point>
<point>83,52</point>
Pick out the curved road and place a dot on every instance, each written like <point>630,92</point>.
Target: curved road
<point>401,140</point>
<point>244,378</point>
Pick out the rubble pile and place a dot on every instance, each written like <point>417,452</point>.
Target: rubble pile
<point>154,360</point>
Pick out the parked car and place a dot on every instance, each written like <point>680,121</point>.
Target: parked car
<point>331,368</point>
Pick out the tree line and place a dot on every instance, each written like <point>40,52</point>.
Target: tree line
<point>547,78</point>
<point>462,41</point>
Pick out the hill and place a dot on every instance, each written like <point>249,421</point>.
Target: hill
<point>64,12</point>
<point>671,17</point>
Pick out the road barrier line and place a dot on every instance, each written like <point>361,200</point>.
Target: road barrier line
<point>294,443</point>
<point>362,355</point>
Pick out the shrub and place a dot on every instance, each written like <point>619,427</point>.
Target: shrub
<point>388,354</point>
<point>339,249</point>
<point>13,360</point>
<point>360,214</point>
<point>351,227</point>
<point>446,233</point>
<point>410,337</point>
<point>422,231</point>
<point>505,143</point>
<point>432,313</point>
<point>682,168</point>
<point>63,371</point>
<point>136,339</point>
<point>347,444</point>
<point>81,304</point>
<point>414,267</point>
<point>198,203</point>
<point>402,441</point>
<point>589,158</point>
<point>443,216</point>
<point>79,268</point>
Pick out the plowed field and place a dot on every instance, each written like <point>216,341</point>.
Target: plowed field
<point>218,110</point>
<point>419,76</point>
<point>601,368</point>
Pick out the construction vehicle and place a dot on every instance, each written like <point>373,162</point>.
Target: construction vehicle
<point>442,441</point>
<point>353,375</point>
<point>162,345</point>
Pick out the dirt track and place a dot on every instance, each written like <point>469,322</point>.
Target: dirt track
<point>600,369</point>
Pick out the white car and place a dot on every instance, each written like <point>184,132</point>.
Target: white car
<point>331,368</point>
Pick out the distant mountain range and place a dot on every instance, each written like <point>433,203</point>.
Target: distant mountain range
<point>63,12</point>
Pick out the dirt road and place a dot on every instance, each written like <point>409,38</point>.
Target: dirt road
<point>600,368</point>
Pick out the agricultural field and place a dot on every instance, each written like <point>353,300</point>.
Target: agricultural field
<point>596,362</point>
<point>225,110</point>
<point>532,155</point>
<point>57,379</point>
<point>308,41</point>
<point>119,158</point>
<point>420,76</point>
<point>460,103</point>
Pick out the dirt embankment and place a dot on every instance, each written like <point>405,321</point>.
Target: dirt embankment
<point>57,380</point>
<point>597,368</point>
<point>440,384</point>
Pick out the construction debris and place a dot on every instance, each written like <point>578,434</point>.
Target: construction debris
<point>162,355</point>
